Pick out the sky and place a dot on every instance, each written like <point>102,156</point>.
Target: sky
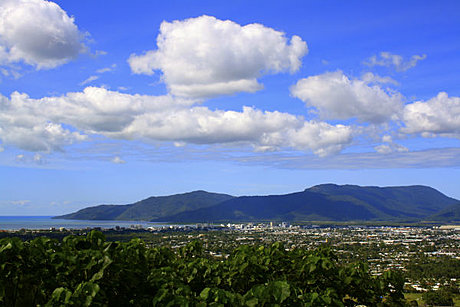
<point>112,102</point>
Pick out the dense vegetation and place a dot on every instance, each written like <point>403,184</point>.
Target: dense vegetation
<point>88,270</point>
<point>451,213</point>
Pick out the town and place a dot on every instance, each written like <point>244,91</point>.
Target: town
<point>429,256</point>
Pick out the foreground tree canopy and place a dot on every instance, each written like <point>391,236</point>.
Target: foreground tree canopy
<point>84,271</point>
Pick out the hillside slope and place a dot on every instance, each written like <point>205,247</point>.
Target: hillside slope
<point>326,202</point>
<point>449,214</point>
<point>149,208</point>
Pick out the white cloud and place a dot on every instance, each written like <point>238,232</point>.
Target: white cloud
<point>24,123</point>
<point>389,146</point>
<point>89,80</point>
<point>264,130</point>
<point>122,116</point>
<point>38,33</point>
<point>12,71</point>
<point>393,60</point>
<point>107,69</point>
<point>335,96</point>
<point>118,160</point>
<point>205,56</point>
<point>324,139</point>
<point>438,116</point>
<point>373,78</point>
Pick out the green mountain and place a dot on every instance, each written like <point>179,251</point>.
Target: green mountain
<point>408,201</point>
<point>449,214</point>
<point>150,208</point>
<point>326,202</point>
<point>301,206</point>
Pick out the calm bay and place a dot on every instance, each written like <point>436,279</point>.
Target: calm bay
<point>46,222</point>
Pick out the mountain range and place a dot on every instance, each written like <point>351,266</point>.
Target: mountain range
<point>326,202</point>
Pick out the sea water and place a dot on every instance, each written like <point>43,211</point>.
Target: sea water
<point>46,222</point>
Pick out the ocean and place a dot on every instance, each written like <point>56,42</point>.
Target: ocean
<point>46,222</point>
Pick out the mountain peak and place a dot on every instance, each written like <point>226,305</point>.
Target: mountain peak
<point>329,201</point>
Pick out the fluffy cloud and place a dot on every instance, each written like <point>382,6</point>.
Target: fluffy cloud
<point>47,124</point>
<point>393,60</point>
<point>23,125</point>
<point>205,56</point>
<point>37,32</point>
<point>95,110</point>
<point>437,116</point>
<point>324,139</point>
<point>335,96</point>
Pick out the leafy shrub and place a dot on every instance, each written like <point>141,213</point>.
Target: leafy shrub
<point>83,271</point>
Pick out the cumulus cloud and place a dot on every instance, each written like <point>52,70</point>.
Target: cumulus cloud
<point>394,61</point>
<point>438,116</point>
<point>74,116</point>
<point>264,130</point>
<point>205,56</point>
<point>324,139</point>
<point>335,96</point>
<point>37,32</point>
<point>23,124</point>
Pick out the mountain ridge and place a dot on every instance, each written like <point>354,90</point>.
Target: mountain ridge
<point>319,202</point>
<point>149,208</point>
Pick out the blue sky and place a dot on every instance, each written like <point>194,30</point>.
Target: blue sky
<point>114,103</point>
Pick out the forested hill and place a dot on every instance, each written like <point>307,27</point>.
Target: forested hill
<point>150,208</point>
<point>327,202</point>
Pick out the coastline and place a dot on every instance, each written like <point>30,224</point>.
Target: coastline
<point>12,223</point>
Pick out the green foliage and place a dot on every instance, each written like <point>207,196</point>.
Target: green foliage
<point>441,267</point>
<point>84,271</point>
<point>438,298</point>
